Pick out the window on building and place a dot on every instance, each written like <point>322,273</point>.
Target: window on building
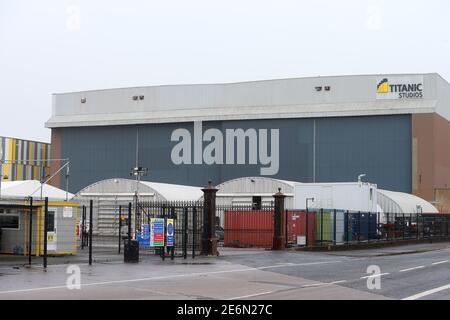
<point>256,203</point>
<point>51,221</point>
<point>9,220</point>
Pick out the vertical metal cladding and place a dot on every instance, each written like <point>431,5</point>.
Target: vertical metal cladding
<point>340,150</point>
<point>23,159</point>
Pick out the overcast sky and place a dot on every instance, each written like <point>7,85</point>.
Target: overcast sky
<point>51,46</point>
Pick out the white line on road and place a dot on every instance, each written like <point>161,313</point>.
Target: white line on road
<point>439,262</point>
<point>251,295</point>
<point>172,276</point>
<point>427,293</point>
<point>375,275</point>
<point>323,284</point>
<point>337,282</point>
<point>411,269</point>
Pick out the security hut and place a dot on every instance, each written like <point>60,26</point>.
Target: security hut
<point>15,217</point>
<point>108,195</point>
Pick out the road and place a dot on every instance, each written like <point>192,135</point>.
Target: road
<point>247,274</point>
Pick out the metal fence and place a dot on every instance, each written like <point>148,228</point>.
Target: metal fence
<point>325,227</point>
<point>188,230</point>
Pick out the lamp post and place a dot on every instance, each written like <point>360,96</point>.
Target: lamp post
<point>137,172</point>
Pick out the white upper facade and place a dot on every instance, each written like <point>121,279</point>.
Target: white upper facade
<point>285,98</point>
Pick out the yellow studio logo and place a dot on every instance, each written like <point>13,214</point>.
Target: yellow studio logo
<point>383,86</point>
<point>50,237</point>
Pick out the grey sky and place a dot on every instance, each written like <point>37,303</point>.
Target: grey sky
<point>49,46</point>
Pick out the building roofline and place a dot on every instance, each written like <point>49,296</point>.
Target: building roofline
<point>248,82</point>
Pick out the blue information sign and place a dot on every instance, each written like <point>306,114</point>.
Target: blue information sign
<point>143,237</point>
<point>170,233</point>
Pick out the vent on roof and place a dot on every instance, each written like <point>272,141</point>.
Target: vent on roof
<point>318,89</point>
<point>327,88</point>
<point>141,97</point>
<point>135,98</point>
<point>83,100</point>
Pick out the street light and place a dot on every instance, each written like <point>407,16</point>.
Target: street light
<point>137,172</point>
<point>360,177</point>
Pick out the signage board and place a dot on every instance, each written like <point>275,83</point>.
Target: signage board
<point>170,232</point>
<point>400,87</point>
<point>143,237</point>
<point>157,232</point>
<point>67,212</point>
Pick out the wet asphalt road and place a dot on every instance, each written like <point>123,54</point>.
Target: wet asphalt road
<point>402,275</point>
<point>246,274</point>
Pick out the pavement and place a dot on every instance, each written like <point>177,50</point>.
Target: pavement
<point>409,272</point>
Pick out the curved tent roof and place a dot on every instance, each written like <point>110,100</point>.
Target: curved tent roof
<point>399,202</point>
<point>32,188</point>
<point>256,185</point>
<point>175,192</point>
<point>162,191</point>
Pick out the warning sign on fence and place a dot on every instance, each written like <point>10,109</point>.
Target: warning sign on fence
<point>144,237</point>
<point>169,233</point>
<point>157,232</point>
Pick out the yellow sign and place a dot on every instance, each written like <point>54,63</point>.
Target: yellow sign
<point>383,86</point>
<point>50,237</point>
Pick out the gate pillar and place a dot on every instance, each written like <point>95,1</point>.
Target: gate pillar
<point>209,240</point>
<point>278,234</point>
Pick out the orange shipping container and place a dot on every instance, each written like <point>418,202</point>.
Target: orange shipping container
<point>248,229</point>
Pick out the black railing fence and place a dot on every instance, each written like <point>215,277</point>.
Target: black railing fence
<point>187,219</point>
<point>338,227</point>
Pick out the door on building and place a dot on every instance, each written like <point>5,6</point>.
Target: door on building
<point>51,231</point>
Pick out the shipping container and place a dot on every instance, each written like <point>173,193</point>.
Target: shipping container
<point>297,227</point>
<point>248,228</point>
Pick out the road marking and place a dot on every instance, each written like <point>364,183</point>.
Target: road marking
<point>297,264</point>
<point>337,282</point>
<point>251,295</point>
<point>323,284</point>
<point>375,275</point>
<point>170,276</point>
<point>427,293</point>
<point>411,269</point>
<point>314,285</point>
<point>440,262</point>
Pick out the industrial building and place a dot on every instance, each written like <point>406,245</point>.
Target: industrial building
<point>393,128</point>
<point>23,159</point>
